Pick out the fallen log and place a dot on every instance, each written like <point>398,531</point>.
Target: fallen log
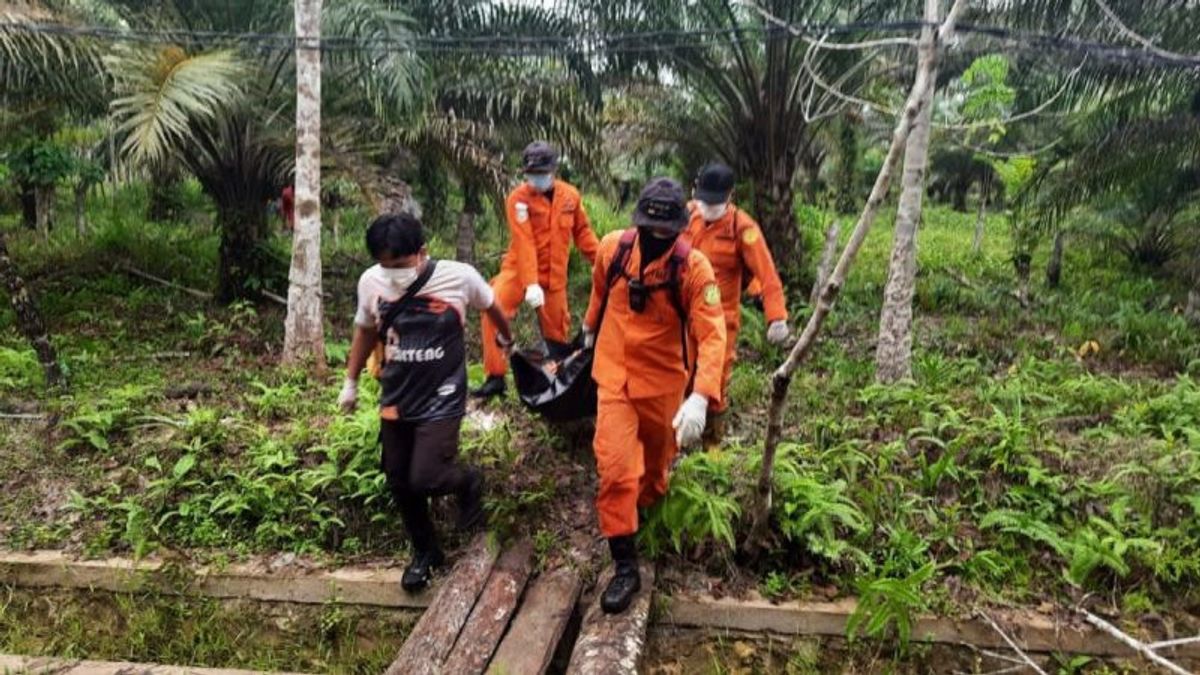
<point>434,635</point>
<point>611,644</point>
<point>493,610</point>
<point>537,629</point>
<point>203,295</point>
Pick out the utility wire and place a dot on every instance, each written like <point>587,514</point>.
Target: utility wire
<point>584,44</point>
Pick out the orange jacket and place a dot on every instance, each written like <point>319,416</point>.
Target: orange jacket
<point>539,248</point>
<point>642,352</point>
<point>735,245</point>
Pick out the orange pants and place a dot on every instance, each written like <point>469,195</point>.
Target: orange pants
<point>510,293</point>
<point>731,335</point>
<point>634,447</point>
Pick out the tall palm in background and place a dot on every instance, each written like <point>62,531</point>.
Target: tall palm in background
<point>752,95</point>
<point>224,112</point>
<point>1131,146</point>
<point>482,105</point>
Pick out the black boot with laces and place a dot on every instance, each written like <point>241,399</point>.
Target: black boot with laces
<point>420,571</point>
<point>627,580</point>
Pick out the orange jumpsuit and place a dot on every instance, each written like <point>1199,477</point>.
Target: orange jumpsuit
<point>641,377</point>
<point>735,247</point>
<point>538,253</point>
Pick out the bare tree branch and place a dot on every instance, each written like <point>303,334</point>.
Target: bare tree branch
<point>823,43</point>
<point>1025,657</point>
<point>1146,43</point>
<point>1172,643</point>
<point>1133,644</point>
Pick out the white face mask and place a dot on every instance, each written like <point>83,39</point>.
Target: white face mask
<point>540,181</point>
<point>400,276</point>
<point>712,212</point>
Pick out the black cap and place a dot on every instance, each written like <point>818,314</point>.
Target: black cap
<point>539,156</point>
<point>661,204</point>
<point>714,183</point>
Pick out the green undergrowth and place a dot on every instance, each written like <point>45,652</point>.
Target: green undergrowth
<point>149,628</point>
<point>1048,453</point>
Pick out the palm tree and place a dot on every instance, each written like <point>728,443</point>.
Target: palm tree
<point>224,112</point>
<point>755,95</point>
<point>1134,139</point>
<point>480,106</point>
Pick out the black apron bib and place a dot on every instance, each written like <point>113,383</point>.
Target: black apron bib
<point>424,374</point>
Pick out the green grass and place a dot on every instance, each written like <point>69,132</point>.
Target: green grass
<point>1013,468</point>
<point>150,628</point>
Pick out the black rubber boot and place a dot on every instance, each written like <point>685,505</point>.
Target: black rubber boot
<point>420,570</point>
<point>471,515</point>
<point>492,386</point>
<point>627,581</point>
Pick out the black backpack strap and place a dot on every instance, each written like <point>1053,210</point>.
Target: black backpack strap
<point>409,293</point>
<point>616,269</point>
<point>678,260</point>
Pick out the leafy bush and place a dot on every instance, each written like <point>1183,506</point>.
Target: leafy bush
<point>699,508</point>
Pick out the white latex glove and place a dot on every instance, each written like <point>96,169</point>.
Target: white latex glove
<point>348,398</point>
<point>589,338</point>
<point>689,421</point>
<point>534,296</point>
<point>778,333</point>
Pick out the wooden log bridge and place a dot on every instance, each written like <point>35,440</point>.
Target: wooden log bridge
<point>490,616</point>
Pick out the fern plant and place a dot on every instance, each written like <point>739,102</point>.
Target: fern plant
<point>889,604</point>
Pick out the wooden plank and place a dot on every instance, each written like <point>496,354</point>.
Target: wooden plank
<point>434,635</point>
<point>38,665</point>
<point>539,625</point>
<point>1033,631</point>
<point>492,612</point>
<point>611,644</point>
<point>379,586</point>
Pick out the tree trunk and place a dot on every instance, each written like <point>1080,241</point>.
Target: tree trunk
<point>304,335</point>
<point>245,262</point>
<point>465,248</point>
<point>336,214</point>
<point>29,321</point>
<point>893,352</point>
<point>981,217</point>
<point>1192,310</point>
<point>847,160</point>
<point>44,197</point>
<point>1022,262</point>
<point>1054,267</point>
<point>28,206</point>
<point>782,378</point>
<point>827,258</point>
<point>81,191</point>
<point>775,199</point>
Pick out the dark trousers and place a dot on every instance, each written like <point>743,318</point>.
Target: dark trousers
<point>419,462</point>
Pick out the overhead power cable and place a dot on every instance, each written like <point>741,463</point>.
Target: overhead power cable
<point>587,43</point>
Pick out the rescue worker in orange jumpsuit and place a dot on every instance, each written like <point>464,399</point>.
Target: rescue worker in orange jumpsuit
<point>656,323</point>
<point>734,245</point>
<point>544,215</point>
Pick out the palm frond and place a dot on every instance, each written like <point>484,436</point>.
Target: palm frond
<point>387,79</point>
<point>163,92</point>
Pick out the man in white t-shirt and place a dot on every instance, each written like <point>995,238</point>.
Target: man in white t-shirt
<point>417,307</point>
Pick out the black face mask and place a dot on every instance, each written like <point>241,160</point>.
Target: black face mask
<point>651,247</point>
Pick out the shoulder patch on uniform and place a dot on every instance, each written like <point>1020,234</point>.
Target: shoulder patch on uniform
<point>522,210</point>
<point>750,236</point>
<point>712,294</point>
